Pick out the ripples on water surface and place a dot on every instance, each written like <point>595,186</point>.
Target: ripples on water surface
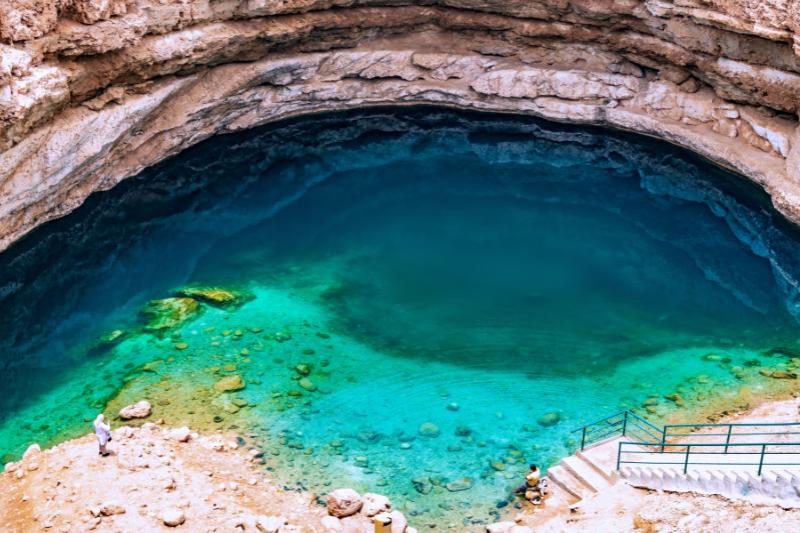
<point>469,271</point>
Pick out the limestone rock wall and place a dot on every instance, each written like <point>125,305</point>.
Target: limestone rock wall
<point>92,91</point>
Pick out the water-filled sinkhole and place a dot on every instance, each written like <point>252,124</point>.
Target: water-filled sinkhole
<point>401,268</point>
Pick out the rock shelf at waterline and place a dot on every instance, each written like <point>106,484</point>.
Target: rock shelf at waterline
<point>418,303</point>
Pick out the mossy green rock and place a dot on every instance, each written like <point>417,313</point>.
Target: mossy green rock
<point>163,315</point>
<point>216,296</point>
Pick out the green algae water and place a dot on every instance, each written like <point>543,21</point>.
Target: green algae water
<point>423,301</point>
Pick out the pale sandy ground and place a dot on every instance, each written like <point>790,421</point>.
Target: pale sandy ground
<point>216,484</point>
<point>219,486</point>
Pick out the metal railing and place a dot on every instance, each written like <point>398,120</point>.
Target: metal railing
<point>745,444</point>
<point>623,423</point>
<point>701,454</point>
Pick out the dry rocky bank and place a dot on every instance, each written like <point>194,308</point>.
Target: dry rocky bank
<point>93,91</point>
<point>162,479</point>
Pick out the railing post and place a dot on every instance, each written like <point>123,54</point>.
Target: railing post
<point>624,423</point>
<point>728,440</point>
<point>583,438</point>
<point>761,461</point>
<point>686,461</point>
<point>663,437</point>
<point>619,454</point>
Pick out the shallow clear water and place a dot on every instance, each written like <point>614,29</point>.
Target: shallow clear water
<point>468,271</point>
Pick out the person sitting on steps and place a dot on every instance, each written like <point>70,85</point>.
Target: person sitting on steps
<point>535,487</point>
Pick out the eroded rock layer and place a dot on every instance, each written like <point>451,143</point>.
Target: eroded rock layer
<point>93,91</point>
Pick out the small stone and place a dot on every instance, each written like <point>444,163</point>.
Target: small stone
<point>344,502</point>
<point>172,517</point>
<point>230,383</point>
<point>429,429</point>
<point>463,431</point>
<point>282,336</point>
<point>109,509</point>
<point>549,419</point>
<point>303,369</point>
<point>497,465</point>
<point>180,434</point>
<point>229,367</point>
<point>307,384</point>
<point>453,407</point>
<point>422,484</point>
<point>181,346</point>
<point>141,409</point>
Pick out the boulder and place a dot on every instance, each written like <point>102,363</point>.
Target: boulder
<point>344,502</point>
<point>399,522</point>
<point>230,383</point>
<point>270,524</point>
<point>33,449</point>
<point>172,517</point>
<point>141,409</point>
<point>162,315</point>
<point>374,504</point>
<point>216,296</point>
<point>180,434</point>
<point>549,419</point>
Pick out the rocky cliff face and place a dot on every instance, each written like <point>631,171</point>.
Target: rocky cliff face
<point>92,91</point>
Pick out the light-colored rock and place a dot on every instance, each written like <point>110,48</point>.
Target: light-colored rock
<point>180,434</point>
<point>270,524</point>
<point>344,502</point>
<point>374,504</point>
<point>84,104</point>
<point>399,522</point>
<point>500,527</point>
<point>332,523</point>
<point>109,508</point>
<point>33,450</point>
<point>172,517</point>
<point>233,382</point>
<point>141,409</point>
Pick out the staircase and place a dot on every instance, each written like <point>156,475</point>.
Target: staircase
<point>757,462</point>
<point>588,471</point>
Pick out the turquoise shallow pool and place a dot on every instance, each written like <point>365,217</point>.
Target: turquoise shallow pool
<point>429,300</point>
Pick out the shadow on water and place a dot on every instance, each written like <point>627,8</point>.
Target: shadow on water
<point>485,241</point>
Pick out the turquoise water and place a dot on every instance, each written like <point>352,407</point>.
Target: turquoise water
<point>399,269</point>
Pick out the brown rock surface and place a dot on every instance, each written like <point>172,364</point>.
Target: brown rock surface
<point>93,91</point>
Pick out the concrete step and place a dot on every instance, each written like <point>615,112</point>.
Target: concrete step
<point>561,478</point>
<point>584,471</point>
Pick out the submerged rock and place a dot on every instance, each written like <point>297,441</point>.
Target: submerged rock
<point>140,409</point>
<point>429,429</point>
<point>307,384</point>
<point>168,313</point>
<point>422,484</point>
<point>549,419</point>
<point>462,483</point>
<point>230,383</point>
<point>216,296</point>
